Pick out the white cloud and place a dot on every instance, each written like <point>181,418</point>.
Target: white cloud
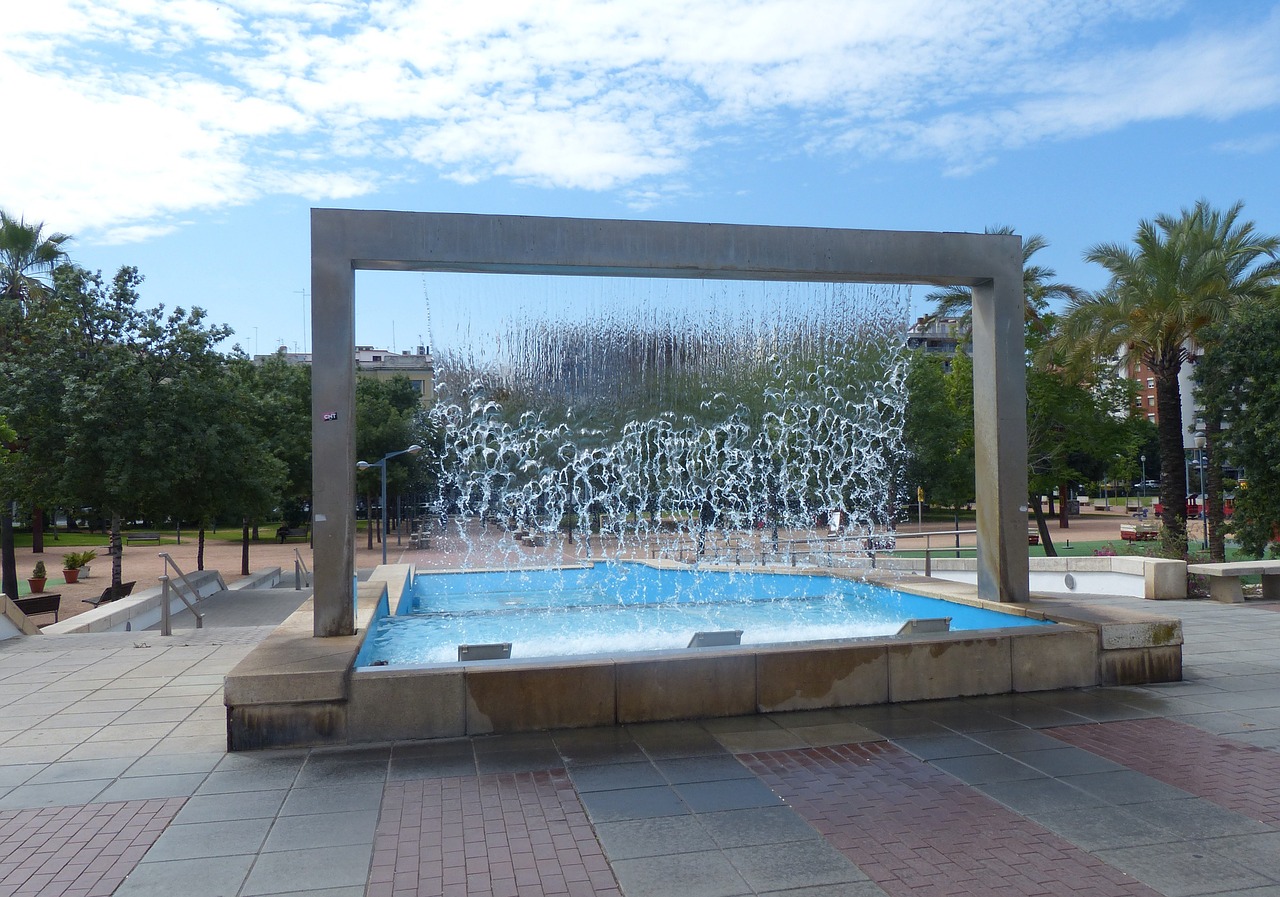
<point>1253,146</point>
<point>162,106</point>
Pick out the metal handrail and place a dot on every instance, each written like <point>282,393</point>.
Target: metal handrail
<point>300,572</point>
<point>165,628</point>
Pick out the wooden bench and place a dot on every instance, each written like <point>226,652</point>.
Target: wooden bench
<point>111,593</point>
<point>285,533</point>
<point>130,538</point>
<point>1224,579</point>
<point>1140,531</point>
<point>40,604</point>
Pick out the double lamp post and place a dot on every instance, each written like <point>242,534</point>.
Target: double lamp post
<point>365,465</point>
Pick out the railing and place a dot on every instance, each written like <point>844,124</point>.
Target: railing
<point>820,550</point>
<point>301,575</point>
<point>165,628</point>
<point>929,550</point>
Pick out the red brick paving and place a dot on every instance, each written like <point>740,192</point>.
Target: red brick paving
<point>917,831</point>
<point>1238,776</point>
<point>522,834</point>
<point>80,851</point>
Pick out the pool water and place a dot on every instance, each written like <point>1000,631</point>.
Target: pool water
<point>624,607</point>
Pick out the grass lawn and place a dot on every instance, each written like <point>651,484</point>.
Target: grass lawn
<point>55,542</point>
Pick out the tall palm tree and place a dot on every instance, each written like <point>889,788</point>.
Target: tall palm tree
<point>1182,274</point>
<point>27,260</point>
<point>1038,287</point>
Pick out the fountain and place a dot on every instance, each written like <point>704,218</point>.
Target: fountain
<point>819,438</point>
<point>714,433</point>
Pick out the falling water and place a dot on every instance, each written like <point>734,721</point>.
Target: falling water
<point>742,426</point>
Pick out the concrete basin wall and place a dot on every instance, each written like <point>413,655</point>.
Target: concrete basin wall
<point>295,689</point>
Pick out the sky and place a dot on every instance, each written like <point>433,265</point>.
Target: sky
<point>191,137</point>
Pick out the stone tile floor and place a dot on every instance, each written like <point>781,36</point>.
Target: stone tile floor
<point>114,779</point>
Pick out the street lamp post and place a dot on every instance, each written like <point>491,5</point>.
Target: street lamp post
<point>365,465</point>
<point>1204,527</point>
<point>1144,476</point>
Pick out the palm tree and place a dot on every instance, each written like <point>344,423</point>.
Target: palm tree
<point>1184,273</point>
<point>27,259</point>
<point>1038,287</point>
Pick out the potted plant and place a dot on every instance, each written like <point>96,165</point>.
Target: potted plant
<point>85,558</point>
<point>38,578</point>
<point>71,567</point>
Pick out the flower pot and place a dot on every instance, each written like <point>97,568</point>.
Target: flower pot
<point>72,575</point>
<point>37,585</point>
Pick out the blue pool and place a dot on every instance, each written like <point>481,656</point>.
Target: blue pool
<point>621,607</point>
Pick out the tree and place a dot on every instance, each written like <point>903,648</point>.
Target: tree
<point>27,261</point>
<point>141,409</point>
<point>1038,287</point>
<point>938,430</point>
<point>1240,380</point>
<point>283,391</point>
<point>211,418</point>
<point>385,416</point>
<point>1184,273</point>
<point>1076,429</point>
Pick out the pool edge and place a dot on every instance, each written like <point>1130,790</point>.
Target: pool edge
<point>295,690</point>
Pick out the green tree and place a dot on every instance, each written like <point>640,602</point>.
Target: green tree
<point>1182,274</point>
<point>27,261</point>
<point>938,431</point>
<point>386,414</point>
<point>141,407</point>
<point>284,395</point>
<point>1240,380</point>
<point>212,423</point>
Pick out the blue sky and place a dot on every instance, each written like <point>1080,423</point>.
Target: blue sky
<point>190,137</point>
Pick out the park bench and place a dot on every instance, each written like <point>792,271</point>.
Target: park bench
<point>130,538</point>
<point>284,533</point>
<point>111,593</point>
<point>1224,579</point>
<point>1140,531</point>
<point>40,604</point>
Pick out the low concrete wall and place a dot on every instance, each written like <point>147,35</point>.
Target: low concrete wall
<point>14,622</point>
<point>1155,579</point>
<point>296,690</point>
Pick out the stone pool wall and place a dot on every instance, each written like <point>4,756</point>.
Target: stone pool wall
<point>295,689</point>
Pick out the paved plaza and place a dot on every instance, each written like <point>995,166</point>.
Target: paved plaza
<point>114,779</point>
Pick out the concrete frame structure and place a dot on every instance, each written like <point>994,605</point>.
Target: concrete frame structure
<point>344,241</point>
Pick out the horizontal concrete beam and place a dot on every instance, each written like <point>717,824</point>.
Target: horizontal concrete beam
<point>515,244</point>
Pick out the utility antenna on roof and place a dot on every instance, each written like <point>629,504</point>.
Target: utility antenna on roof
<point>427,300</point>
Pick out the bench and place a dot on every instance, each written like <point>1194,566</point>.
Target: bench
<point>40,604</point>
<point>1224,579</point>
<point>285,533</point>
<point>111,593</point>
<point>130,538</point>
<point>1033,536</point>
<point>1140,531</point>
